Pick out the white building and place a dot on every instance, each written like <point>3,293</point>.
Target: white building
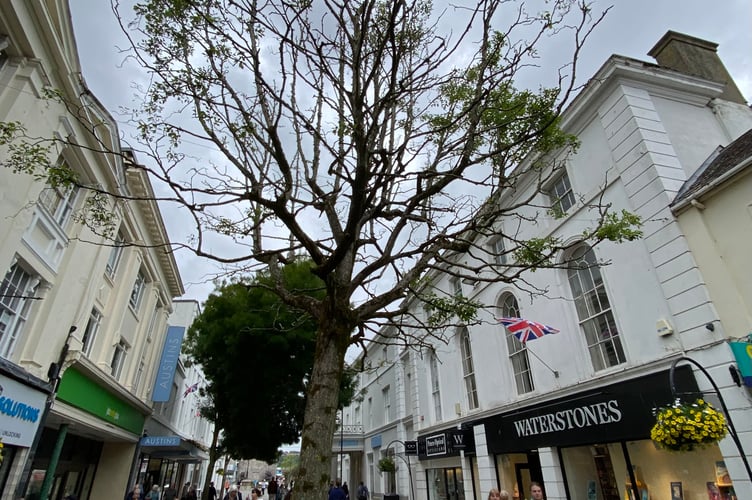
<point>89,309</point>
<point>574,410</point>
<point>175,449</point>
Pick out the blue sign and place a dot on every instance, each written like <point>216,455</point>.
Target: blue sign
<point>168,363</point>
<point>160,441</point>
<point>376,441</point>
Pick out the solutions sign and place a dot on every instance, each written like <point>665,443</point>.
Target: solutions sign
<point>21,408</point>
<point>167,364</point>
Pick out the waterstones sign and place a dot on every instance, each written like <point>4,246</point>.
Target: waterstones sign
<point>615,412</point>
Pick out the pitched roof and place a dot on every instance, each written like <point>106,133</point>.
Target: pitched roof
<point>719,163</point>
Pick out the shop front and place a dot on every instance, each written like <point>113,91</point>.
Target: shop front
<point>440,455</point>
<point>602,439</point>
<point>168,459</point>
<point>22,403</point>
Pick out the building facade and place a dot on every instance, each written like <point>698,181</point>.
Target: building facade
<point>84,314</point>
<point>574,410</point>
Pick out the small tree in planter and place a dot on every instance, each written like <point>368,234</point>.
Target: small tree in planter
<point>387,464</point>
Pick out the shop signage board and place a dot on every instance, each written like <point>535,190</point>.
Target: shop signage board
<point>21,409</point>
<point>622,411</point>
<point>158,441</point>
<point>78,390</point>
<point>167,364</point>
<point>411,447</point>
<point>446,443</point>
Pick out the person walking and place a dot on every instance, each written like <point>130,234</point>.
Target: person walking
<point>154,493</point>
<point>337,493</point>
<point>272,489</point>
<point>136,493</point>
<point>169,493</point>
<point>495,494</point>
<point>362,492</point>
<point>212,491</point>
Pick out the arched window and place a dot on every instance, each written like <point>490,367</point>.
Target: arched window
<point>468,370</point>
<point>517,350</point>
<point>594,310</point>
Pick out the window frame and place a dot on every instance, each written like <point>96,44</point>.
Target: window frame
<point>560,193</point>
<point>137,292</point>
<point>498,249</point>
<point>116,253</point>
<point>517,351</point>
<point>91,330</point>
<point>468,370</point>
<point>59,203</point>
<point>435,386</point>
<point>594,310</point>
<point>15,307</point>
<point>118,359</point>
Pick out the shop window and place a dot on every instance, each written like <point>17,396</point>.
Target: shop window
<point>594,310</point>
<point>118,359</point>
<point>518,355</point>
<point>445,484</point>
<point>561,195</point>
<point>92,328</point>
<point>435,390</point>
<point>468,370</point>
<point>17,293</point>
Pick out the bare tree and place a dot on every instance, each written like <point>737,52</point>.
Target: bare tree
<point>373,137</point>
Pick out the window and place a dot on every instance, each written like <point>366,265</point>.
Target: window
<point>118,359</point>
<point>59,202</point>
<point>594,310</point>
<point>387,404</point>
<point>435,392</point>
<point>139,375</point>
<point>562,197</point>
<point>16,296</point>
<point>92,327</point>
<point>468,370</point>
<point>499,251</point>
<point>138,291</point>
<point>115,254</point>
<point>518,356</point>
<point>370,413</point>
<point>457,287</point>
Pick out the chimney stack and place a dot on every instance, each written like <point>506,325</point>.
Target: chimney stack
<point>696,57</point>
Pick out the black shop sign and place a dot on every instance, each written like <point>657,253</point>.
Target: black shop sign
<point>615,412</point>
<point>447,443</point>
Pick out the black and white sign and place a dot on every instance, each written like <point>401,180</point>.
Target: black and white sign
<point>446,443</point>
<point>411,447</point>
<point>615,412</point>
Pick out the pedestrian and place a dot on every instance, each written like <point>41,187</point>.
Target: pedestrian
<point>346,490</point>
<point>212,491</point>
<point>362,492</point>
<point>536,491</point>
<point>336,493</point>
<point>136,493</point>
<point>154,493</point>
<point>169,493</point>
<point>272,489</point>
<point>192,493</point>
<point>233,494</point>
<point>184,490</point>
<point>495,494</point>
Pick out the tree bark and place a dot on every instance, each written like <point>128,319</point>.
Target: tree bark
<point>212,462</point>
<point>321,407</point>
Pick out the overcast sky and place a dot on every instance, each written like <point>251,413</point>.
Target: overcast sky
<point>631,29</point>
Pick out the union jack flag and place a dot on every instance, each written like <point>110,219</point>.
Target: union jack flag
<point>190,388</point>
<point>525,329</point>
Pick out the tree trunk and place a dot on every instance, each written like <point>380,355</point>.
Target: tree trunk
<point>320,413</point>
<point>212,462</point>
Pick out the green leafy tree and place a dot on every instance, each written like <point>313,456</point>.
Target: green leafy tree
<point>372,137</point>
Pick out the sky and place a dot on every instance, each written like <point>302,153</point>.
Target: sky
<point>631,28</point>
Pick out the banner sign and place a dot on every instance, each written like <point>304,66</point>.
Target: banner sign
<point>446,443</point>
<point>622,411</point>
<point>167,364</point>
<point>21,409</point>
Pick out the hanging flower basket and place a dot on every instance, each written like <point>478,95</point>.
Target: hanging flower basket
<point>387,464</point>
<point>688,426</point>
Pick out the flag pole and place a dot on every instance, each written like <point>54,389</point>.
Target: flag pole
<point>556,374</point>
